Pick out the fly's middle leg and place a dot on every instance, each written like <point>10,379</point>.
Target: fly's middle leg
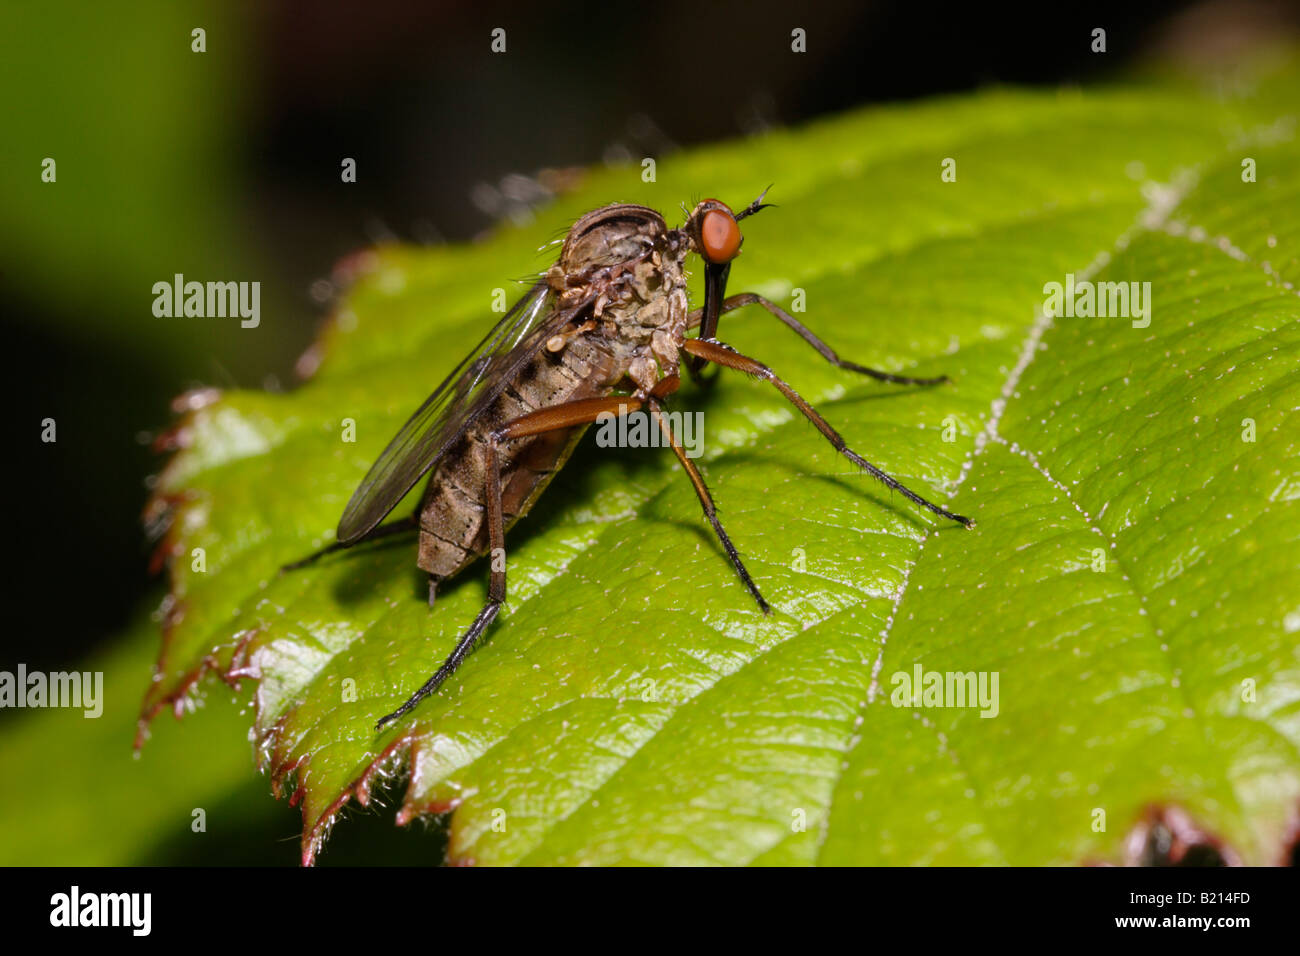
<point>706,501</point>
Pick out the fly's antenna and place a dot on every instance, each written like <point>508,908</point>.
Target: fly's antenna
<point>756,205</point>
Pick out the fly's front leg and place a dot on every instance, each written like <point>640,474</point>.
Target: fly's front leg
<point>706,500</point>
<point>824,350</point>
<point>567,415</point>
<point>715,292</point>
<point>721,354</point>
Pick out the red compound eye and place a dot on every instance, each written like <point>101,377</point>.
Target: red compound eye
<point>719,235</point>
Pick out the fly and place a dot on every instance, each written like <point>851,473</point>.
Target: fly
<point>601,333</point>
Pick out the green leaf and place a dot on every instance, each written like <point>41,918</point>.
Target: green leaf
<point>632,706</point>
<point>75,794</point>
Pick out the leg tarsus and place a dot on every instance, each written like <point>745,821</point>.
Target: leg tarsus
<point>888,376</point>
<point>449,666</point>
<point>734,555</point>
<point>496,587</point>
<point>382,531</point>
<point>706,501</point>
<point>312,558</point>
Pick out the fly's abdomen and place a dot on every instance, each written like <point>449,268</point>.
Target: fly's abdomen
<point>453,515</point>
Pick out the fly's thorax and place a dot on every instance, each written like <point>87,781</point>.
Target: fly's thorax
<point>666,314</point>
<point>624,270</point>
<point>611,235</point>
<point>601,248</point>
<point>648,317</point>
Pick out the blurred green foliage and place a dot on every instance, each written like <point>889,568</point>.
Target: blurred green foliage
<point>144,132</point>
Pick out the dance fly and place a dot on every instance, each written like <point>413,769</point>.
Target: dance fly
<point>603,332</point>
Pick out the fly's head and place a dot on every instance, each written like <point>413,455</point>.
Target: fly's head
<point>713,231</point>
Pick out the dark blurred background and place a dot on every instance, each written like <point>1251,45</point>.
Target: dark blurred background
<point>226,165</point>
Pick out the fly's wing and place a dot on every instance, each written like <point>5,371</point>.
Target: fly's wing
<point>471,387</point>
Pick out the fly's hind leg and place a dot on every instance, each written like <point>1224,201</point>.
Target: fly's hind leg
<point>824,350</point>
<point>496,587</point>
<point>567,415</point>
<point>400,526</point>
